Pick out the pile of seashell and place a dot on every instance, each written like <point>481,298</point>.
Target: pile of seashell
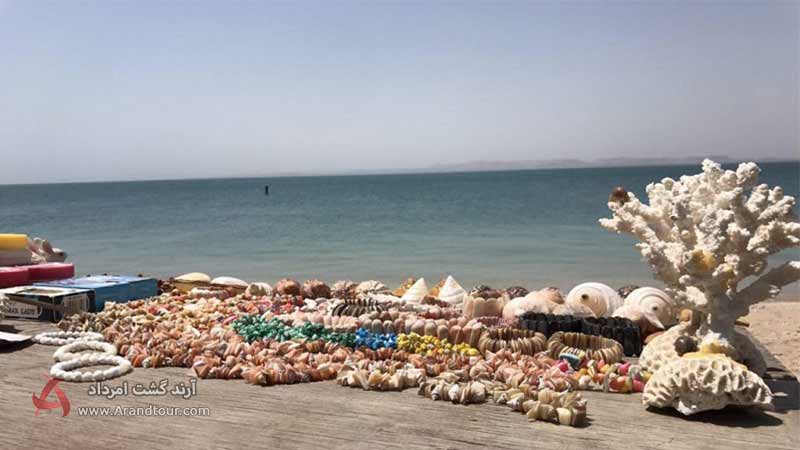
<point>452,345</point>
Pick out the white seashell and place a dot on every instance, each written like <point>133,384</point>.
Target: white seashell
<point>648,322</point>
<point>452,293</point>
<point>196,277</point>
<point>536,301</point>
<point>187,281</point>
<point>577,310</point>
<point>703,383</point>
<point>654,302</point>
<point>230,282</point>
<point>384,298</point>
<point>258,289</point>
<point>600,298</point>
<point>416,292</point>
<point>370,286</point>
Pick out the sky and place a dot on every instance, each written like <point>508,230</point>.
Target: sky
<point>146,90</point>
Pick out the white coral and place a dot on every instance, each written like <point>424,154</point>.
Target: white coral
<point>692,385</point>
<point>703,234</point>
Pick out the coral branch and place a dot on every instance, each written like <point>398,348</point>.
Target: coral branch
<point>769,285</point>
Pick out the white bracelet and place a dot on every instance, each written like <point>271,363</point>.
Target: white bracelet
<point>63,370</point>
<point>72,350</point>
<point>66,337</point>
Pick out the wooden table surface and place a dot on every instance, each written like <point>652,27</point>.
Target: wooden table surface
<point>327,416</point>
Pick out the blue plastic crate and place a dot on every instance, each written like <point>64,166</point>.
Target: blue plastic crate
<point>118,289</point>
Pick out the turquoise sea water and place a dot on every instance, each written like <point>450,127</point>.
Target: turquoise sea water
<point>531,228</point>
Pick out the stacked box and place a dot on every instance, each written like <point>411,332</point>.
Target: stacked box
<point>45,303</point>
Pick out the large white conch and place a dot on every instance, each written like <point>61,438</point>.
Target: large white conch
<point>650,304</point>
<point>416,292</point>
<point>598,297</point>
<point>452,293</point>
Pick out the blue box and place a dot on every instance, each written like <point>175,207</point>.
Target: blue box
<point>118,289</point>
<point>45,303</point>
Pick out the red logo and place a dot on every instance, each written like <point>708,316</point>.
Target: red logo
<point>41,402</point>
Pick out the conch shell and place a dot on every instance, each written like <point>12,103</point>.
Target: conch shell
<point>537,301</point>
<point>451,292</point>
<point>654,305</point>
<point>404,286</point>
<point>416,293</point>
<point>600,298</point>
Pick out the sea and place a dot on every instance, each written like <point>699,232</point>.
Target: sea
<point>530,228</point>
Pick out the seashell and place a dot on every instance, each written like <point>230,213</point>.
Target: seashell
<point>624,291</point>
<point>485,291</point>
<point>552,294</point>
<point>654,302</point>
<point>344,289</point>
<point>573,310</point>
<point>287,286</point>
<point>705,382</point>
<point>516,291</point>
<point>229,282</point>
<point>316,289</point>
<point>601,299</point>
<point>647,321</point>
<point>258,290</point>
<point>403,287</point>
<point>536,301</point>
<point>416,293</point>
<point>371,286</point>
<point>187,281</point>
<point>430,328</point>
<point>480,307</point>
<point>434,292</point>
<point>207,293</point>
<point>451,292</point>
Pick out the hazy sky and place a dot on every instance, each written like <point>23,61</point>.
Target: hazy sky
<point>125,90</point>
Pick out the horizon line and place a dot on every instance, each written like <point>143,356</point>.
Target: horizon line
<point>435,169</point>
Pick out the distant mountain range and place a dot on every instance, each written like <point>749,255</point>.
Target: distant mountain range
<point>478,166</point>
<point>564,163</point>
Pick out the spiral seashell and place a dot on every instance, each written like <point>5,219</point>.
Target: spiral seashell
<point>654,303</point>
<point>601,299</point>
<point>451,292</point>
<point>404,286</point>
<point>416,293</point>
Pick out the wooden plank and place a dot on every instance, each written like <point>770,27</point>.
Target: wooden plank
<point>325,415</point>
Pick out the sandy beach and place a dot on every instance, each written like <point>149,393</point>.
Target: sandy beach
<point>775,324</point>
